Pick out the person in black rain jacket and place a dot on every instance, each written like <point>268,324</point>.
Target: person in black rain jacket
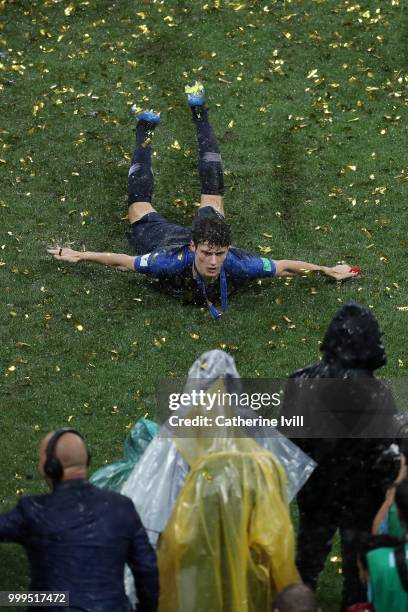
<point>348,416</point>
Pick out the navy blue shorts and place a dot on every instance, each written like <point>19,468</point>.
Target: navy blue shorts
<point>153,231</point>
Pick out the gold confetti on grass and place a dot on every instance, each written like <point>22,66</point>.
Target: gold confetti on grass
<point>69,9</point>
<point>290,323</point>
<point>229,347</point>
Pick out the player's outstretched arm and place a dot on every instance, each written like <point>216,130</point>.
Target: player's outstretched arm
<point>288,267</point>
<point>116,260</point>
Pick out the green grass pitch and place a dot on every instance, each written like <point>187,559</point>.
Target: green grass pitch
<point>309,102</point>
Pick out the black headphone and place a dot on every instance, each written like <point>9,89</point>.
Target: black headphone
<point>53,467</point>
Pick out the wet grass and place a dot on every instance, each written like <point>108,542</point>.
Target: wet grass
<point>309,102</point>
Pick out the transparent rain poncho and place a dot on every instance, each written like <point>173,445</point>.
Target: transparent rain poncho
<point>167,474</point>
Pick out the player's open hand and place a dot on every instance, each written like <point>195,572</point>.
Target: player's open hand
<point>342,272</point>
<point>65,254</point>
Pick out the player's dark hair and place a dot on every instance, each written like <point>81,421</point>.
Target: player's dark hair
<point>213,230</point>
<point>401,499</point>
<point>296,598</point>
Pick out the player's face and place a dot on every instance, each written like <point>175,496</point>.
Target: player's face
<point>209,259</point>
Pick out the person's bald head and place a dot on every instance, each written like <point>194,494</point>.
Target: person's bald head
<point>296,598</point>
<point>70,450</point>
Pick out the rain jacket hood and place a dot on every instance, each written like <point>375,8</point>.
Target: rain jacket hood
<point>215,373</point>
<point>353,339</point>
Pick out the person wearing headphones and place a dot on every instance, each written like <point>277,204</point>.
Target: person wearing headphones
<point>78,538</point>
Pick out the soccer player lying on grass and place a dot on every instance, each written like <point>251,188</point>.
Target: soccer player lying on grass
<point>195,263</point>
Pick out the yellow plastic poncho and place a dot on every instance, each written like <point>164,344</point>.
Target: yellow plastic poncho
<point>229,542</point>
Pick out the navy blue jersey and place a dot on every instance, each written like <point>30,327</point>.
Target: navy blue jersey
<point>173,270</point>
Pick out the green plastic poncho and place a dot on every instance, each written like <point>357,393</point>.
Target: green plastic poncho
<point>385,588</point>
<point>113,476</point>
